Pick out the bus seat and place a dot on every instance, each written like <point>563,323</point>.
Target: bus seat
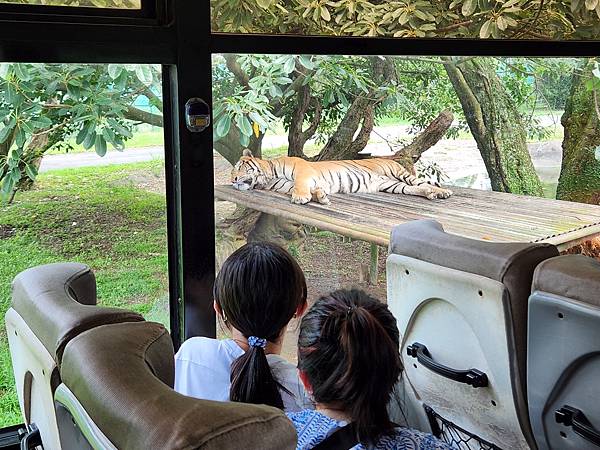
<point>461,306</point>
<point>564,353</point>
<point>50,305</point>
<point>117,393</point>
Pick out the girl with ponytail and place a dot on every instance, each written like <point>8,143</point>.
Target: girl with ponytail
<point>349,361</point>
<point>258,290</point>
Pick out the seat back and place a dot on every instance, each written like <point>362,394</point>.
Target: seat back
<point>564,353</point>
<point>50,305</point>
<point>461,304</point>
<point>117,389</point>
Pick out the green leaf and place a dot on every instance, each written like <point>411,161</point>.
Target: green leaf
<point>244,125</point>
<point>289,65</point>
<point>316,14</point>
<point>144,74</point>
<point>119,128</point>
<point>85,130</point>
<point>420,14</point>
<point>590,5</point>
<point>502,24</point>
<point>20,137</point>
<point>40,122</point>
<point>22,71</point>
<point>486,29</point>
<point>306,62</point>
<point>89,140</point>
<point>244,140</point>
<point>469,7</point>
<point>223,125</point>
<point>114,70</point>
<point>121,81</point>
<point>100,145</point>
<point>325,14</point>
<point>264,4</point>
<point>31,171</point>
<point>4,70</point>
<point>6,130</point>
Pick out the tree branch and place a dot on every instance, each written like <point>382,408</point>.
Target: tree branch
<point>133,113</point>
<point>235,68</point>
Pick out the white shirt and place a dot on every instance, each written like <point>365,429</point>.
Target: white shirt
<point>203,370</point>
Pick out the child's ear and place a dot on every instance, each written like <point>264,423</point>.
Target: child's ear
<point>304,378</point>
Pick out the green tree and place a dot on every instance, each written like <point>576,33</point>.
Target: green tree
<point>124,4</point>
<point>515,19</point>
<point>496,125</point>
<point>580,173</point>
<point>43,105</point>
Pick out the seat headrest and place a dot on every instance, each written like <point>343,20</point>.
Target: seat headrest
<point>58,301</point>
<point>572,276</point>
<point>122,375</point>
<point>427,241</point>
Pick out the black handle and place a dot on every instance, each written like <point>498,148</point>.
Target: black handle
<point>32,439</point>
<point>472,377</point>
<point>573,417</point>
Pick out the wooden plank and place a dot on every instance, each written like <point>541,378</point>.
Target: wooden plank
<point>477,214</point>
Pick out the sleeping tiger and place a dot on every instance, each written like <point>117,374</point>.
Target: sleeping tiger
<point>306,181</point>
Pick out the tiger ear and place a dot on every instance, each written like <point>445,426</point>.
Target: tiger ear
<point>247,152</point>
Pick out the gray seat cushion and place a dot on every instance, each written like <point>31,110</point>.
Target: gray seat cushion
<point>122,374</point>
<point>58,302</point>
<point>573,276</point>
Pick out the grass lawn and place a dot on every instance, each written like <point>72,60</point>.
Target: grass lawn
<point>93,215</point>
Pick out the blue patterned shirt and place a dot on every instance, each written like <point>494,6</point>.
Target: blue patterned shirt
<point>313,427</point>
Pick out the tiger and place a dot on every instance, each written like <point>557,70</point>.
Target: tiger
<point>307,181</point>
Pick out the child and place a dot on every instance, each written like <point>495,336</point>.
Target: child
<point>348,359</point>
<point>258,290</point>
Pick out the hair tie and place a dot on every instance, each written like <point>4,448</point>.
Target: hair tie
<point>254,341</point>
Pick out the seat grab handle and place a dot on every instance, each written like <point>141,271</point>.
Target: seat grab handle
<point>472,377</point>
<point>573,417</point>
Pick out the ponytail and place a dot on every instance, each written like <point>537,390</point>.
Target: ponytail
<point>349,350</point>
<point>366,343</point>
<point>259,288</point>
<point>252,380</point>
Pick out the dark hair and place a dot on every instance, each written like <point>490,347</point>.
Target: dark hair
<point>348,348</point>
<point>259,288</point>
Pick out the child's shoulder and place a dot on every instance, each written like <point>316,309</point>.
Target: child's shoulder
<point>200,347</point>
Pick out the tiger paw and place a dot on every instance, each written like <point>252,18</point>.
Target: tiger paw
<point>433,193</point>
<point>300,200</point>
<point>444,193</point>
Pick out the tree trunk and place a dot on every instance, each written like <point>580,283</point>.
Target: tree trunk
<point>409,155</point>
<point>580,172</point>
<point>495,124</point>
<point>297,137</point>
<point>345,142</point>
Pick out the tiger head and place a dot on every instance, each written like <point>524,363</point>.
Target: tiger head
<point>248,173</point>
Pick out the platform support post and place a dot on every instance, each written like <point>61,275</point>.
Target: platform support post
<point>374,268</point>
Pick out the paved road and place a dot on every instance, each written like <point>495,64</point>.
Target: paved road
<point>69,160</point>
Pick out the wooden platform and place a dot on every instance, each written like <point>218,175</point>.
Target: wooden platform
<point>477,214</point>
